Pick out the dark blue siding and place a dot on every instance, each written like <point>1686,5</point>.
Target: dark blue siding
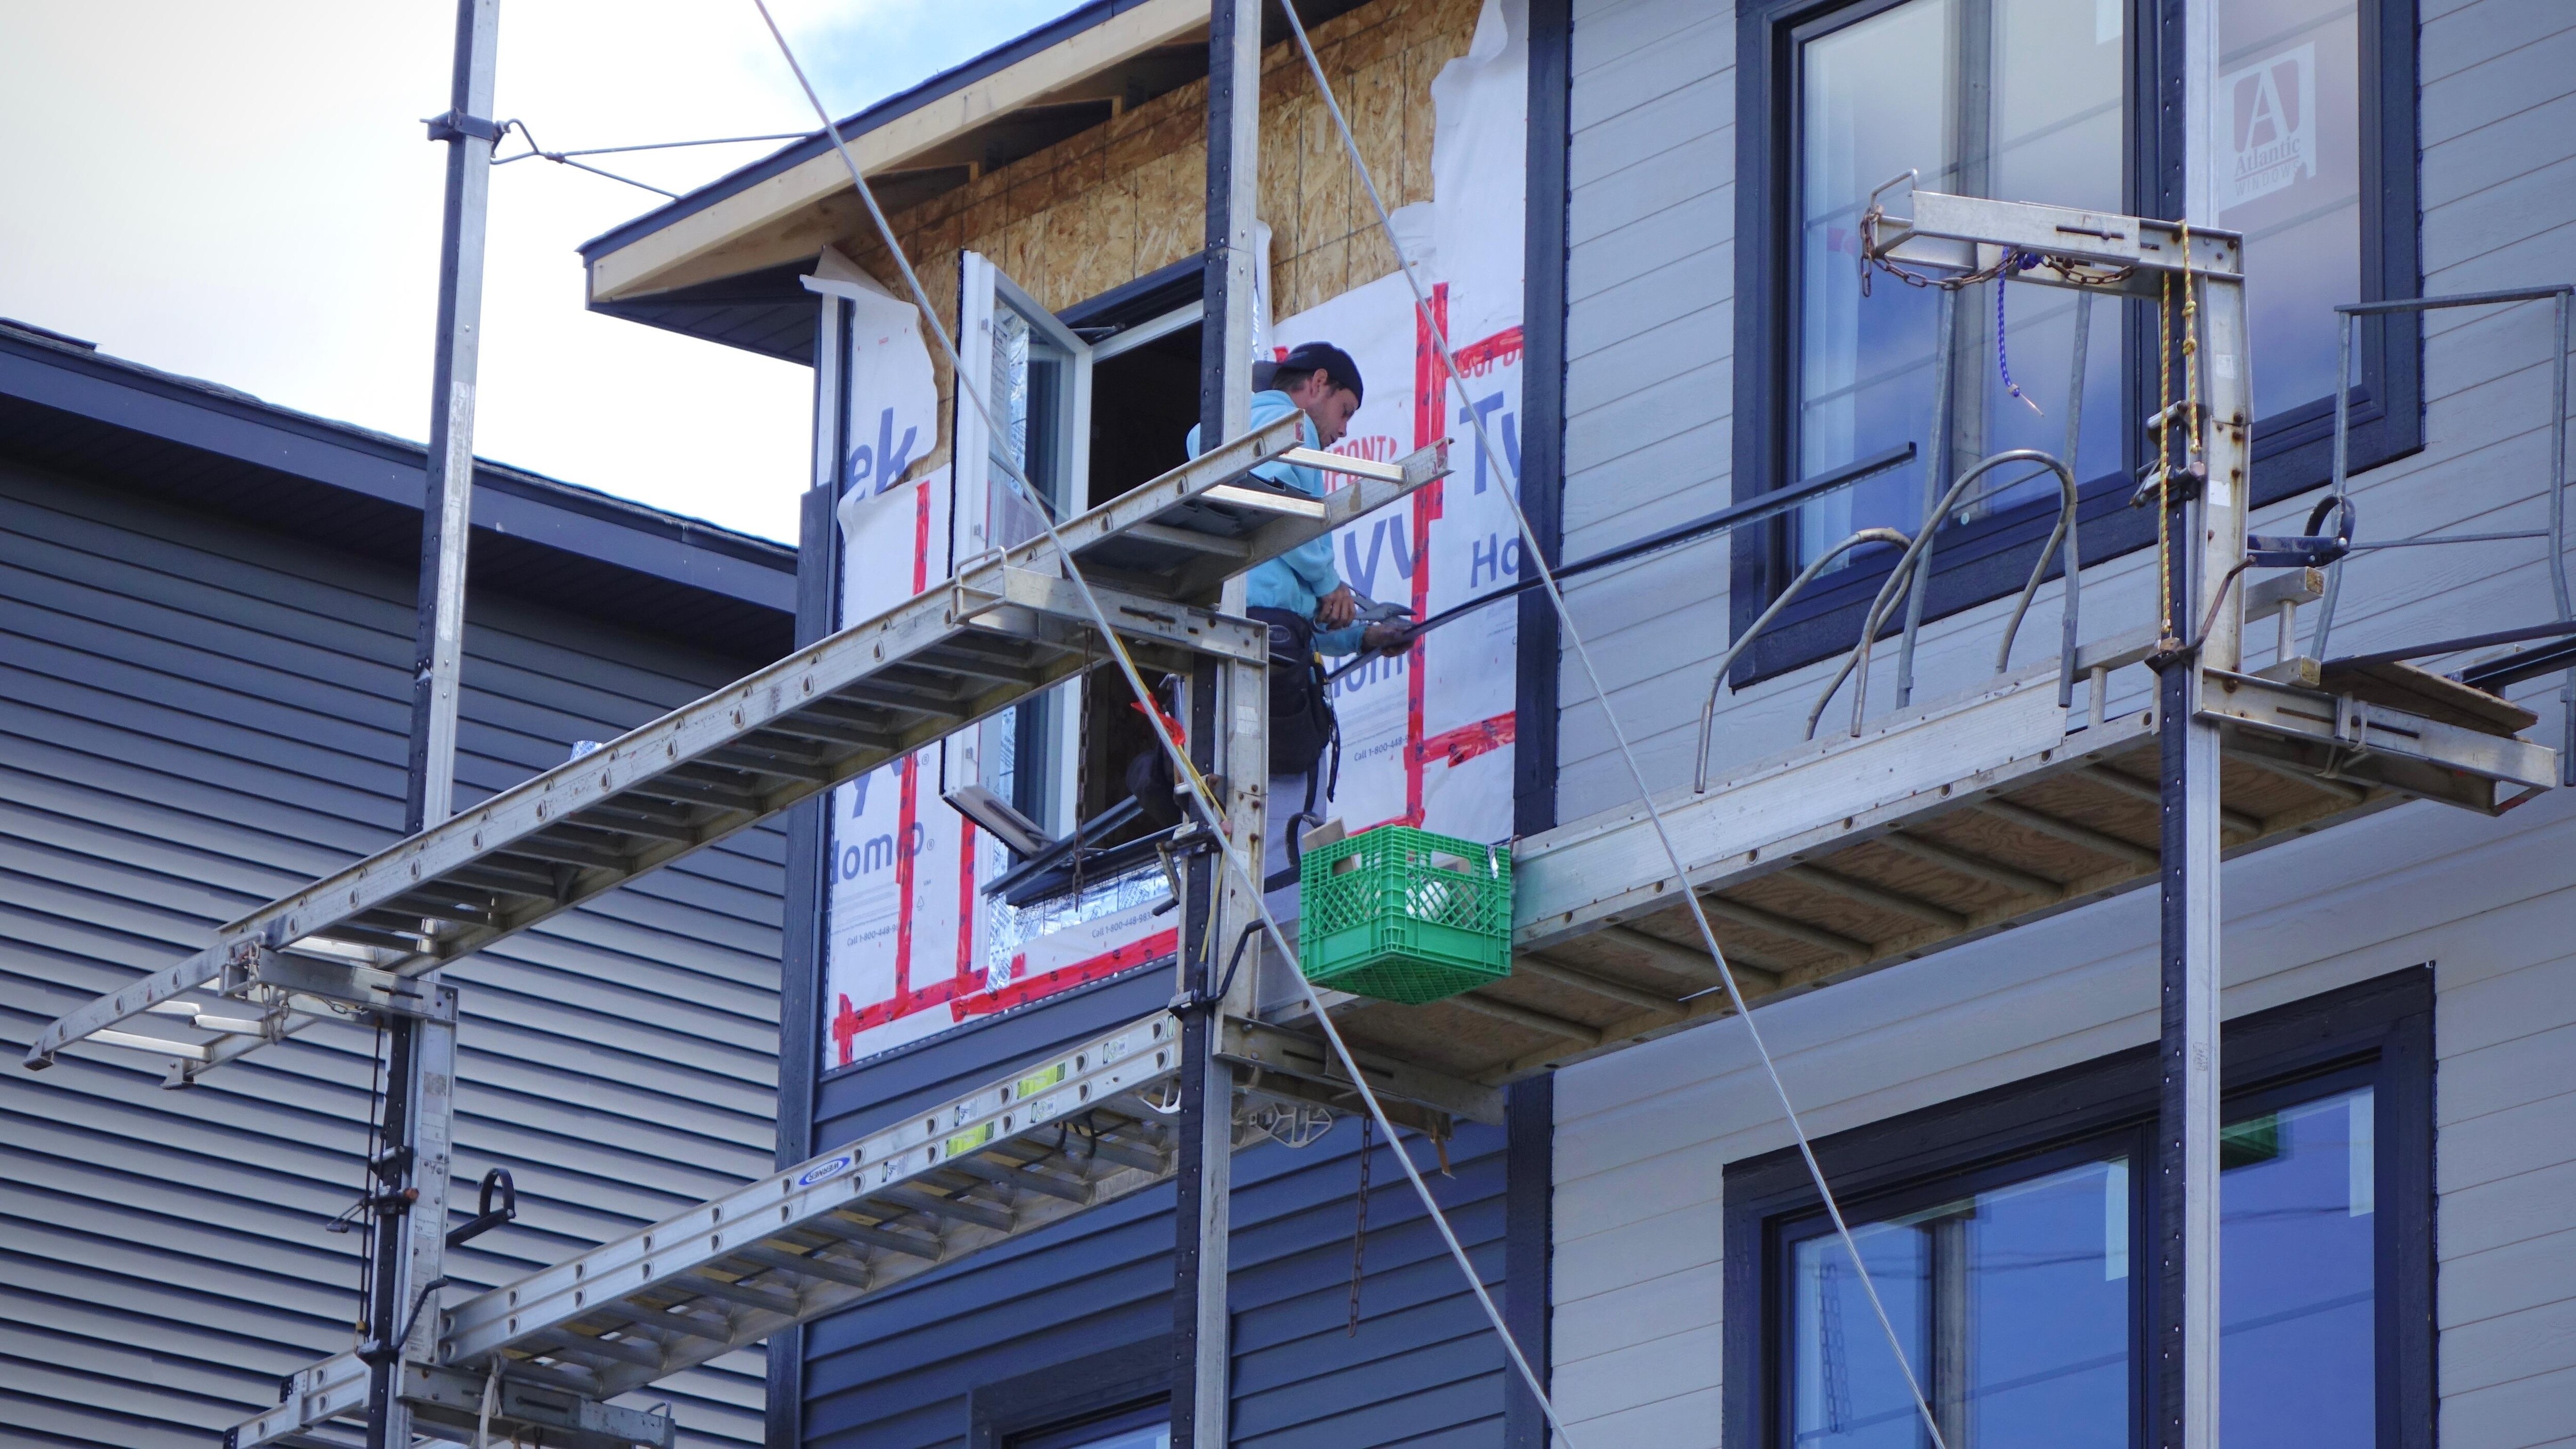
<point>905,1372</point>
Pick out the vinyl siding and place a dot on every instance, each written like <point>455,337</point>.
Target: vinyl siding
<point>902,1371</point>
<point>194,718</point>
<point>1649,390</point>
<point>1643,1137</point>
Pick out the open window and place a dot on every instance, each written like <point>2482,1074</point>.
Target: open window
<point>1035,377</point>
<point>1086,406</point>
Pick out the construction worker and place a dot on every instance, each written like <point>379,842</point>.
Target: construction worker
<point>1301,596</point>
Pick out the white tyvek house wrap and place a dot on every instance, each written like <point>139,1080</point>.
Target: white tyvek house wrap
<point>1426,738</point>
<point>893,954</point>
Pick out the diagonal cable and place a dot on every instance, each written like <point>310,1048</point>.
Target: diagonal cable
<point>1184,770</point>
<point>1654,813</point>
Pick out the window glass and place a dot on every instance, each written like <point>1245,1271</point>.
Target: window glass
<point>2015,1304</point>
<point>2285,169</point>
<point>1145,1427</point>
<point>2017,99</point>
<point>2296,1254</point>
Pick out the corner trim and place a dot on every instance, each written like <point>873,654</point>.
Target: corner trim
<point>1543,303</point>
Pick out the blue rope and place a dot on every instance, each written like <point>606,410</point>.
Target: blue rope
<point>2018,262</point>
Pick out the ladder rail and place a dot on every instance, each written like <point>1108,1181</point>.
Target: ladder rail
<point>1010,625</point>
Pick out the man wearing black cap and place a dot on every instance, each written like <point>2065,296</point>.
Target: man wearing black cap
<point>1319,380</point>
<point>1299,594</point>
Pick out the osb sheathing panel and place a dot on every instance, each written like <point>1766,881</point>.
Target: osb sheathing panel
<point>1111,204</point>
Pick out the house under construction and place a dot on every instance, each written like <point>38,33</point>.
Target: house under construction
<point>1994,640</point>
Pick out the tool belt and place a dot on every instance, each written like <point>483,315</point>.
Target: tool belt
<point>1301,714</point>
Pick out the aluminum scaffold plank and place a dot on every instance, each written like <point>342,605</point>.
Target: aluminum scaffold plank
<point>1010,625</point>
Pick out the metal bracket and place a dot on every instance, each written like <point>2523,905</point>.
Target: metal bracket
<point>457,126</point>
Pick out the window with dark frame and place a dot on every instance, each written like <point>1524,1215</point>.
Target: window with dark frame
<point>2310,153</point>
<point>2009,1236</point>
<point>1140,1426</point>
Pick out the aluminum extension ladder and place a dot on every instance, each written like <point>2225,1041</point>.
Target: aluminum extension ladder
<point>1087,1128</point>
<point>360,945</point>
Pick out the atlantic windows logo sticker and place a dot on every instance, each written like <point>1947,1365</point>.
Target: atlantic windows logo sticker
<point>2269,110</point>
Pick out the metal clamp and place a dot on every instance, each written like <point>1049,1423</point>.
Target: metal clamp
<point>458,126</point>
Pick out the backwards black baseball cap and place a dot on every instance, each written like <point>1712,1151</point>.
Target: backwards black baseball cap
<point>1325,358</point>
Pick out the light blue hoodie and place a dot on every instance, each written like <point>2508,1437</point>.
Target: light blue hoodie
<point>1298,579</point>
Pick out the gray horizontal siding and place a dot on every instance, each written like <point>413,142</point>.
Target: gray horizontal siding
<point>1649,373</point>
<point>194,718</point>
<point>1644,1136</point>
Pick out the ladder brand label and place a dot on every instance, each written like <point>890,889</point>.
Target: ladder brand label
<point>1036,1082</point>
<point>829,1167</point>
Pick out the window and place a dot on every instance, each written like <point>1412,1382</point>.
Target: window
<point>2308,149</point>
<point>2010,1238</point>
<point>1146,1426</point>
<point>1038,387</point>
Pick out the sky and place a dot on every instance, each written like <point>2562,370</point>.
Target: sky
<point>244,193</point>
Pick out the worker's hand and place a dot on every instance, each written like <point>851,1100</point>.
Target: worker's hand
<point>1390,640</point>
<point>1336,609</point>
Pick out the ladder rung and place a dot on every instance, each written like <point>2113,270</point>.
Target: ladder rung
<point>931,1204</point>
<point>773,1300</point>
<point>622,1350</point>
<point>847,1271</point>
<point>893,1241</point>
<point>613,821</point>
<point>552,846</point>
<point>1027,1179</point>
<point>682,1321</point>
<point>758,762</point>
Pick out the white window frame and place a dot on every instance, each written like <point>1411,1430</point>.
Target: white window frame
<point>985,294</point>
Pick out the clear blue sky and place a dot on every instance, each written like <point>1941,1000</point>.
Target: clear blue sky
<point>244,193</point>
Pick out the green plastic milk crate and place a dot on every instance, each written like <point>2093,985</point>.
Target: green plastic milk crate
<point>1405,915</point>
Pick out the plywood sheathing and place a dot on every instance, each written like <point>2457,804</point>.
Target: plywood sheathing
<point>1113,203</point>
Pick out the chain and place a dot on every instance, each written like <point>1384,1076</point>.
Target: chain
<point>2068,270</point>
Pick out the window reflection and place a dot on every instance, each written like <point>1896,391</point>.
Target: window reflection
<point>2298,1209</point>
<point>2025,103</point>
<point>2016,1304</point>
<point>2285,169</point>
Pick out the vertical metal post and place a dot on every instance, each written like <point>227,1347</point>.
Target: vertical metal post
<point>2208,539</point>
<point>2558,543</point>
<point>411,1238</point>
<point>1228,710</point>
<point>410,1227</point>
<point>1936,481</point>
<point>2342,459</point>
<point>447,504</point>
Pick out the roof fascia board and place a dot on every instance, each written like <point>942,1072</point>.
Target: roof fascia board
<point>704,240</point>
<point>559,515</point>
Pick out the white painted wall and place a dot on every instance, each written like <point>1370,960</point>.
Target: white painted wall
<point>1644,1136</point>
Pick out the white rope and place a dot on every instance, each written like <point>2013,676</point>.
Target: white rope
<point>1183,770</point>
<point>1574,637</point>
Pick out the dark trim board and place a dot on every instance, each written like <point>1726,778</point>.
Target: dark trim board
<point>1543,270</point>
<point>1992,558</point>
<point>2379,1032</point>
